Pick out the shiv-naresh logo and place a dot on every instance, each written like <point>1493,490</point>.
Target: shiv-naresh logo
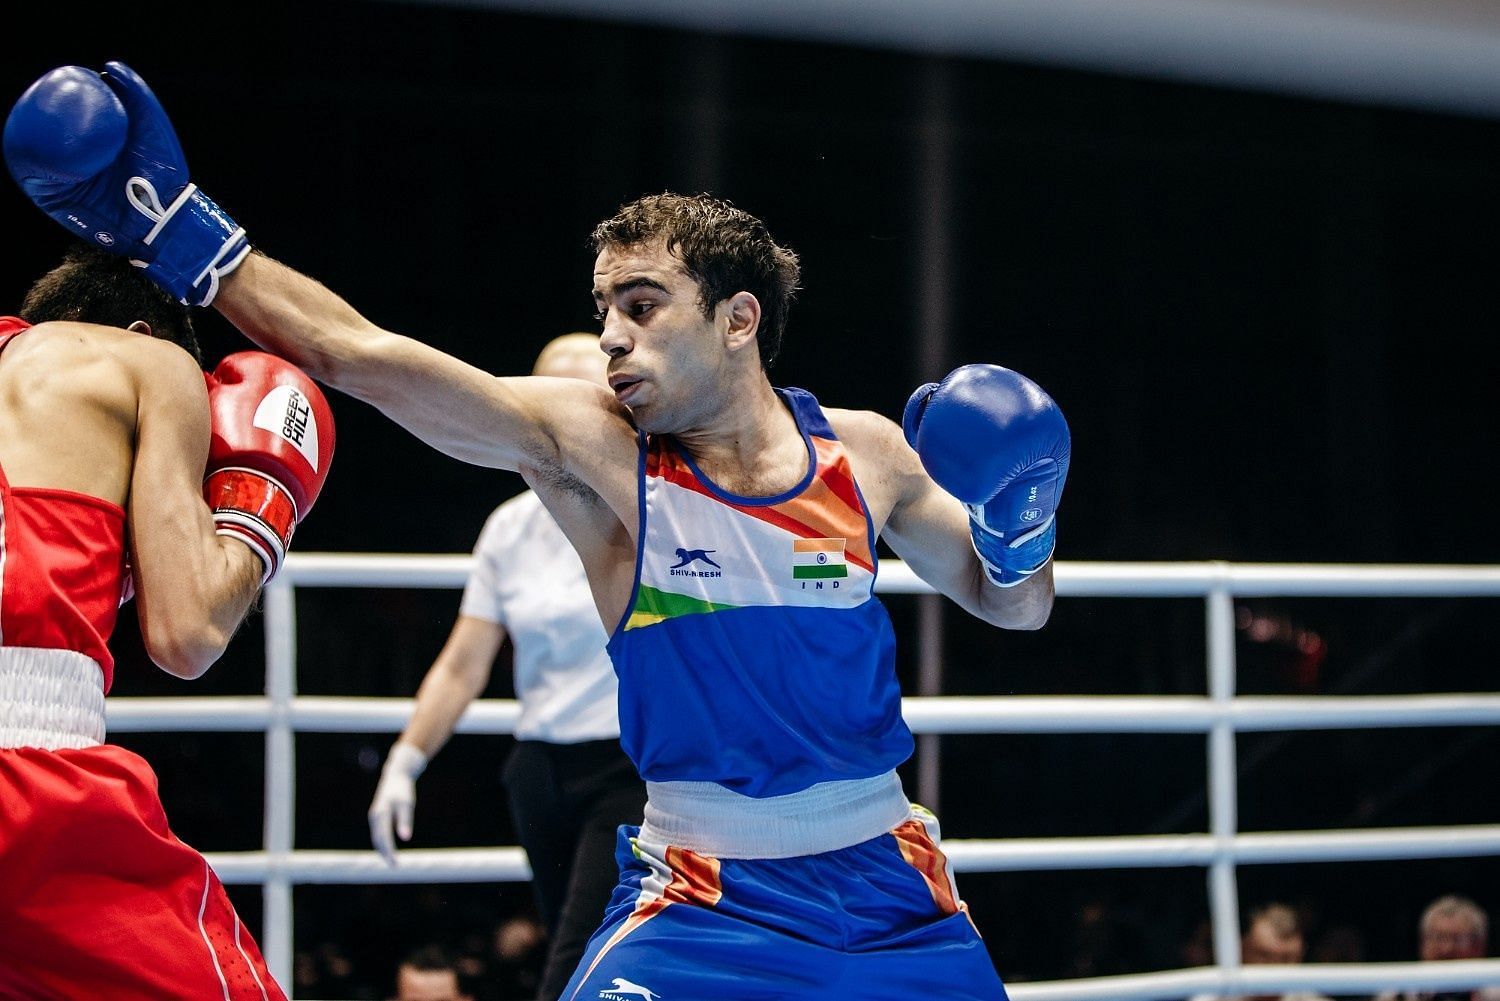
<point>687,559</point>
<point>624,990</point>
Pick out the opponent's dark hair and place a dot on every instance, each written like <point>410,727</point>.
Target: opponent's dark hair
<point>725,249</point>
<point>91,286</point>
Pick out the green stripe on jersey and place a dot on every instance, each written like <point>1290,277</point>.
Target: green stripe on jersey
<point>650,601</point>
<point>824,572</point>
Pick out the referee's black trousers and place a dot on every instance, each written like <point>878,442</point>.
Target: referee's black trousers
<point>567,800</point>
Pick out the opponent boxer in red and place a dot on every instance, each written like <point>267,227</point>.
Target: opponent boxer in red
<point>105,435</point>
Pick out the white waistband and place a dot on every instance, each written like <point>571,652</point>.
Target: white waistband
<point>50,699</point>
<point>705,817</point>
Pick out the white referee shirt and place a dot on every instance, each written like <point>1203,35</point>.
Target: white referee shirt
<point>528,578</point>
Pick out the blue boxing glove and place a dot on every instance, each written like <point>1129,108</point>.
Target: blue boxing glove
<point>98,154</point>
<point>995,440</point>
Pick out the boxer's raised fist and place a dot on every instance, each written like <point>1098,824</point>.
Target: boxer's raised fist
<point>995,440</point>
<point>98,154</point>
<point>269,454</point>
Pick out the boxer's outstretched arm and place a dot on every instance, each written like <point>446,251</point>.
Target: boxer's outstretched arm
<point>455,407</point>
<point>78,142</point>
<point>192,587</point>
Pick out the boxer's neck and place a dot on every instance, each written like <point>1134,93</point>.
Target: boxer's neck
<point>753,449</point>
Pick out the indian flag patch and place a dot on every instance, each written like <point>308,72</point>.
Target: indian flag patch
<point>818,559</point>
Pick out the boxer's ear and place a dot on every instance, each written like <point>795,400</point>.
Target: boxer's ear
<point>741,311</point>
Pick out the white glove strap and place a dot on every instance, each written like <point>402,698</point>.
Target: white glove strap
<point>252,532</point>
<point>219,267</point>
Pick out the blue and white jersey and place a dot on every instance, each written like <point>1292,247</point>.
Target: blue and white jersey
<point>754,654</point>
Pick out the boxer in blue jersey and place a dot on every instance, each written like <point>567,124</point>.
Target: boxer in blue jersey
<point>728,530</point>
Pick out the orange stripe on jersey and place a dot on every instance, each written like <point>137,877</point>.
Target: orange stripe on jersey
<point>925,857</point>
<point>819,513</point>
<point>695,878</point>
<point>828,509</point>
<point>665,462</point>
<point>833,469</point>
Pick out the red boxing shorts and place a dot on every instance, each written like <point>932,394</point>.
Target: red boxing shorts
<point>98,898</point>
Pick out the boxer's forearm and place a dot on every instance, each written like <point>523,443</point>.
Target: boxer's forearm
<point>929,535</point>
<point>298,318</point>
<point>448,403</point>
<point>192,586</point>
<point>186,632</point>
<point>1026,605</point>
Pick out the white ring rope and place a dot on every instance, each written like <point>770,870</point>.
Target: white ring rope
<point>1147,851</point>
<point>933,714</point>
<point>1331,978</point>
<point>1220,715</point>
<point>1074,579</point>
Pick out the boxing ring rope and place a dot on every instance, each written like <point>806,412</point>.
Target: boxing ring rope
<point>1220,715</point>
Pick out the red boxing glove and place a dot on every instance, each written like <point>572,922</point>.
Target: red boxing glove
<point>269,454</point>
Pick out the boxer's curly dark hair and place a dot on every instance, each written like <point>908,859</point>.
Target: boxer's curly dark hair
<point>91,286</point>
<point>725,249</point>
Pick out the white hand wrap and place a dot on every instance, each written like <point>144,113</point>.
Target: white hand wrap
<point>395,798</point>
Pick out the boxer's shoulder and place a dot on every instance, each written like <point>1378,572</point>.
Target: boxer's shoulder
<point>65,361</point>
<point>880,457</point>
<point>83,342</point>
<point>863,431</point>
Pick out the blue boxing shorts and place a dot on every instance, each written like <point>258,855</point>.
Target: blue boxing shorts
<point>878,921</point>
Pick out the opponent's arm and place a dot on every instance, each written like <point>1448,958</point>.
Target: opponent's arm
<point>264,435</point>
<point>455,679</point>
<point>998,443</point>
<point>192,586</point>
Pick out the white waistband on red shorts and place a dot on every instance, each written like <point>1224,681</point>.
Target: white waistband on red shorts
<point>706,818</point>
<point>50,699</point>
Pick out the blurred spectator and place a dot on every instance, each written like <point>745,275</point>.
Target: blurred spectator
<point>1104,940</point>
<point>518,948</point>
<point>1293,654</point>
<point>429,974</point>
<point>1198,948</point>
<point>1451,928</point>
<point>326,971</point>
<point>1273,934</point>
<point>1341,944</point>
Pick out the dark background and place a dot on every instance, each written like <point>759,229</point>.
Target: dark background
<point>1269,320</point>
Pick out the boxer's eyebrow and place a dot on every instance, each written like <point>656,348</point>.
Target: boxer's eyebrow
<point>629,285</point>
